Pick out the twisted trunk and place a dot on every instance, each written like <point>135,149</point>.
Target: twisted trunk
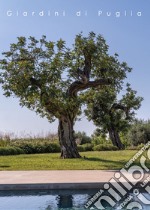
<point>66,138</point>
<point>114,136</point>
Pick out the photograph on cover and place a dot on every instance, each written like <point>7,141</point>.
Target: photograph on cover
<point>74,93</point>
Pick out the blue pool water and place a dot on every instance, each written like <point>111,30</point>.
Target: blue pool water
<point>49,200</point>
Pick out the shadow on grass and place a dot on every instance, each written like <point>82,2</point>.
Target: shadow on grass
<point>1,166</point>
<point>110,162</point>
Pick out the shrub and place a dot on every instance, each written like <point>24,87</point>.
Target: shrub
<point>11,151</point>
<point>80,148</point>
<point>105,147</point>
<point>97,140</point>
<point>52,148</point>
<point>35,147</point>
<point>85,147</point>
<point>132,148</point>
<point>136,147</point>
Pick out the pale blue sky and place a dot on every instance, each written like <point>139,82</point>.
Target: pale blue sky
<point>126,35</point>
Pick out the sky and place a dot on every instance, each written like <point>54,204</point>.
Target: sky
<point>124,24</point>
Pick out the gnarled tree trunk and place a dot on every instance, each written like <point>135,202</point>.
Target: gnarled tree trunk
<point>114,136</point>
<point>66,138</point>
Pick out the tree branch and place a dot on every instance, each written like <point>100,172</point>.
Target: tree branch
<point>121,107</point>
<point>84,75</point>
<point>79,86</point>
<point>35,82</point>
<point>87,67</point>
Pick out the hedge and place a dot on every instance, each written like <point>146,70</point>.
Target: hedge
<point>11,151</point>
<point>36,148</point>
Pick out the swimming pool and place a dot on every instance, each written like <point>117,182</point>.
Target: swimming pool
<point>48,200</point>
<point>44,199</point>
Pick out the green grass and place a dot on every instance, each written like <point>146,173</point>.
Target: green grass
<point>93,160</point>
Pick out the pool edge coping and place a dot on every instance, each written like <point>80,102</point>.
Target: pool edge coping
<point>55,186</point>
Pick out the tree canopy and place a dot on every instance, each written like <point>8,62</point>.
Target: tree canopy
<point>54,80</point>
<point>139,132</point>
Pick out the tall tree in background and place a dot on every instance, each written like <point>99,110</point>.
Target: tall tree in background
<point>51,78</point>
<point>111,115</point>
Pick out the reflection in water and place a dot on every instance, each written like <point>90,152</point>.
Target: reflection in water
<point>44,199</point>
<point>65,201</point>
<point>50,200</point>
<point>68,202</point>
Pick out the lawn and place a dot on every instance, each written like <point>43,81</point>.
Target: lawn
<point>92,161</point>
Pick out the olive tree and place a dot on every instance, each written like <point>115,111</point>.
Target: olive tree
<point>112,115</point>
<point>51,78</point>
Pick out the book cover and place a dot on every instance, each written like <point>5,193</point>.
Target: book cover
<point>57,59</point>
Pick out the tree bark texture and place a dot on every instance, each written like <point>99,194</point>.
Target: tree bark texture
<point>114,136</point>
<point>66,138</point>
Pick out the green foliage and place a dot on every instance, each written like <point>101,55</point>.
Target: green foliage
<point>40,72</point>
<point>85,147</point>
<point>132,148</point>
<point>98,143</point>
<point>80,148</point>
<point>11,151</point>
<point>124,139</point>
<point>100,139</point>
<point>139,132</point>
<point>105,147</point>
<point>37,66</point>
<point>36,146</point>
<point>140,146</point>
<point>4,143</point>
<point>82,137</point>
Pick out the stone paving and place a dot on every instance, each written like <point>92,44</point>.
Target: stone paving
<point>57,179</point>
